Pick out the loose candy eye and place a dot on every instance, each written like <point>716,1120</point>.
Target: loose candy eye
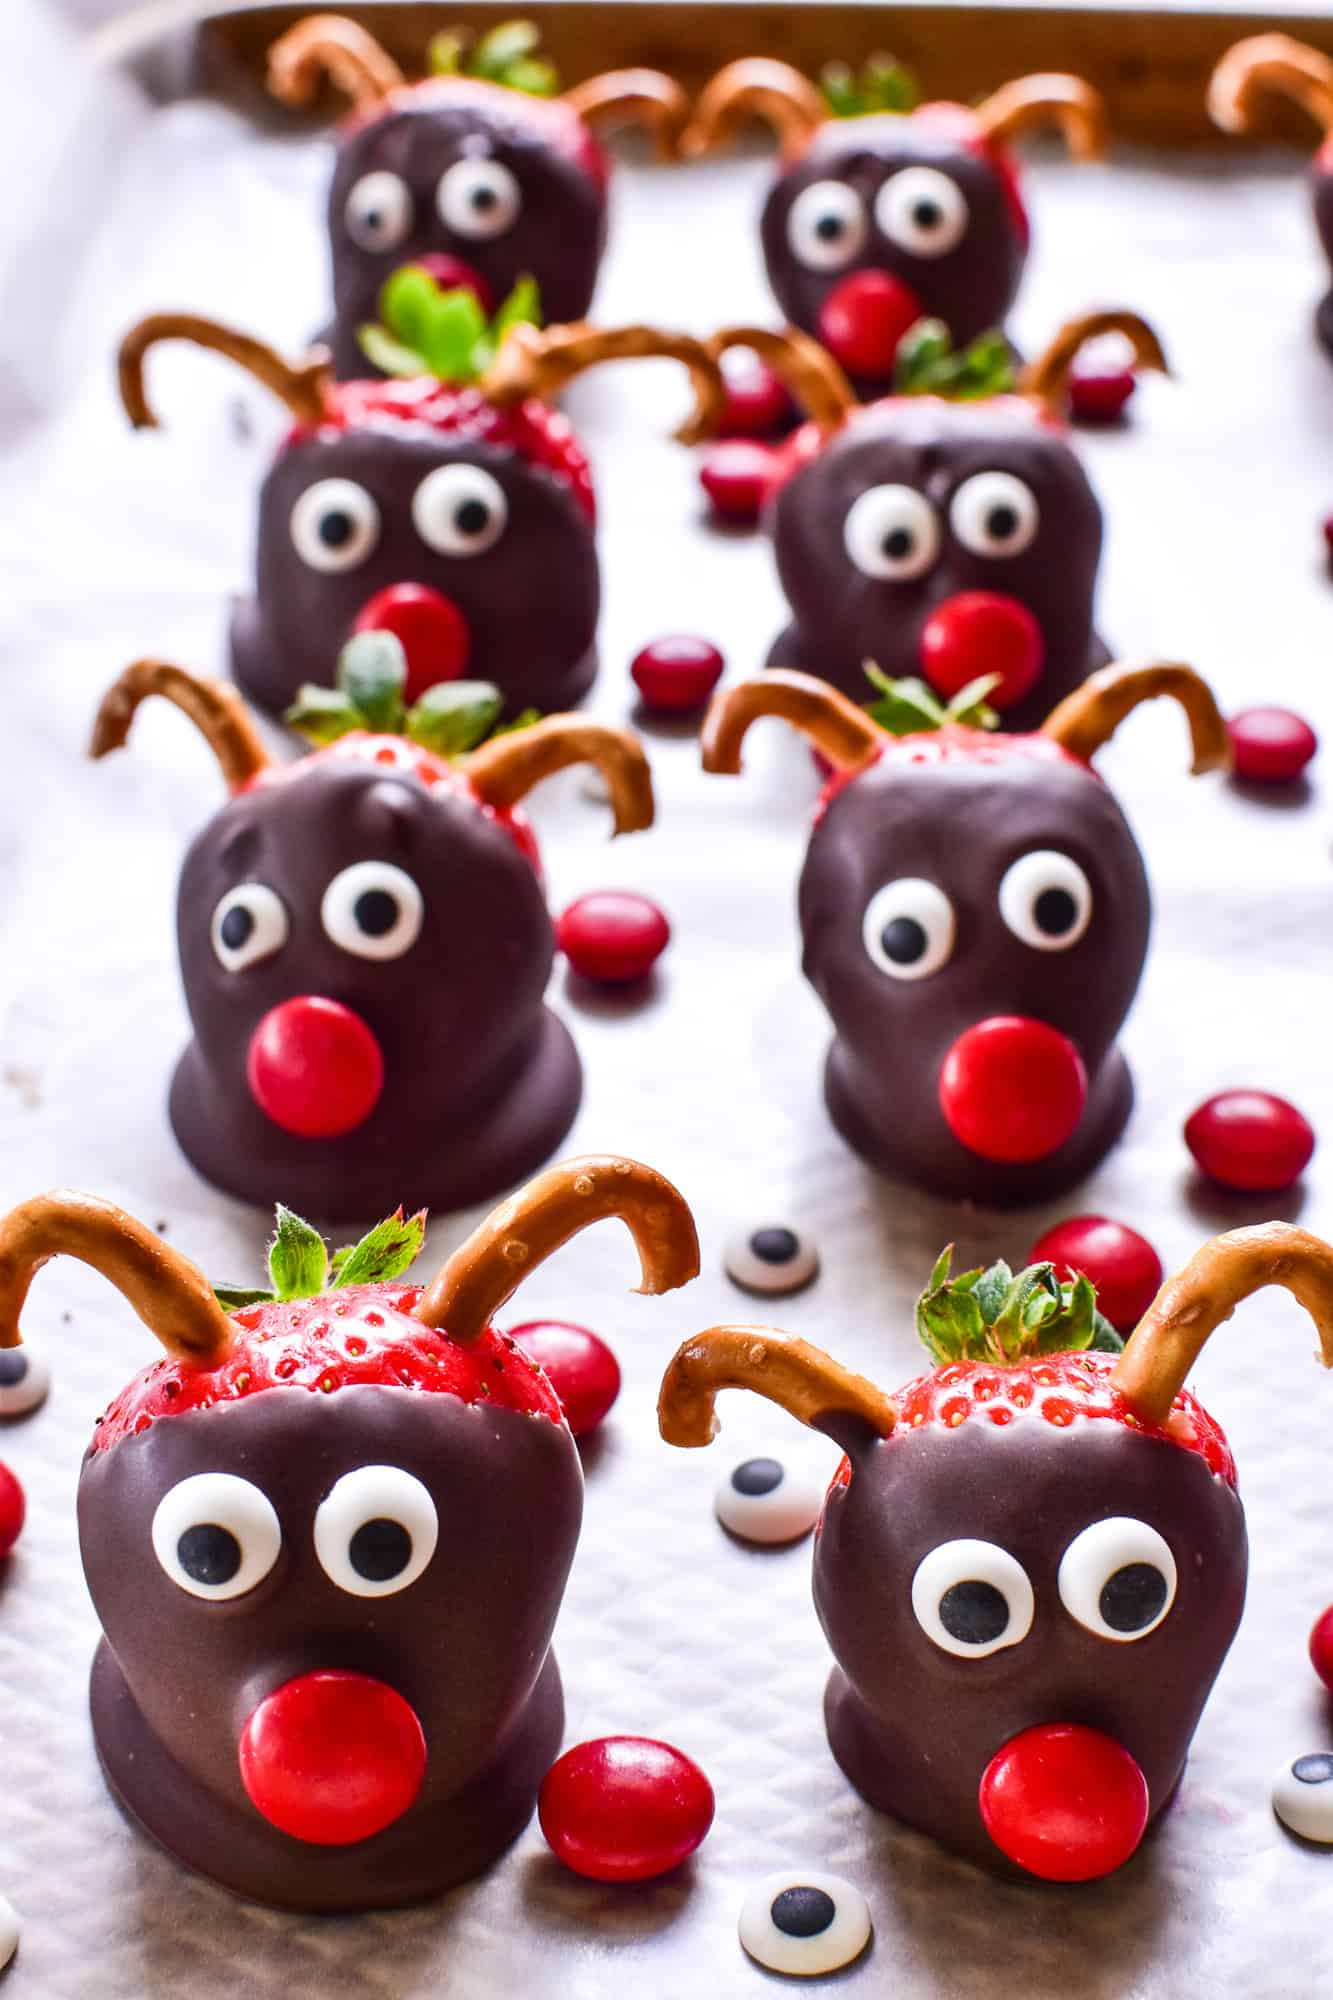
<point>804,1924</point>
<point>376,1531</point>
<point>335,525</point>
<point>972,1598</point>
<point>215,1535</point>
<point>1118,1579</point>
<point>771,1259</point>
<point>25,1380</point>
<point>249,923</point>
<point>1303,1797</point>
<point>478,199</point>
<point>909,928</point>
<point>459,510</point>
<point>994,514</point>
<point>373,909</point>
<point>826,226</point>
<point>1046,900</point>
<point>892,532</point>
<point>922,211</point>
<point>378,213</point>
<point>763,1500</point>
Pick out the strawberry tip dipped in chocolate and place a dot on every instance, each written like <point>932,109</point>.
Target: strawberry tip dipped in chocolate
<point>974,915</point>
<point>326,1536</point>
<point>1032,1561</point>
<point>365,949</point>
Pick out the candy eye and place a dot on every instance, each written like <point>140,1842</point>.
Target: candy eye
<point>373,909</point>
<point>908,928</point>
<point>378,212</point>
<point>994,514</point>
<point>805,1924</point>
<point>215,1535</point>
<point>892,532</point>
<point>25,1380</point>
<point>922,211</point>
<point>335,524</point>
<point>771,1259</point>
<point>826,226</point>
<point>972,1598</point>
<point>763,1500</point>
<point>249,923</point>
<point>1303,1797</point>
<point>1046,900</point>
<point>478,199</point>
<point>1118,1579</point>
<point>459,510</point>
<point>376,1531</point>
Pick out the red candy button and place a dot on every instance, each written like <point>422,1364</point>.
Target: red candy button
<point>1251,1140</point>
<point>331,1758</point>
<point>612,936</point>
<point>864,318</point>
<point>315,1068</point>
<point>1124,1268</point>
<point>1013,1089</point>
<point>676,674</point>
<point>624,1808</point>
<point>979,632</point>
<point>579,1366</point>
<point>736,475</point>
<point>1064,1802</point>
<point>431,630</point>
<point>1321,1647</point>
<point>1270,746</point>
<point>13,1510</point>
<point>1099,396</point>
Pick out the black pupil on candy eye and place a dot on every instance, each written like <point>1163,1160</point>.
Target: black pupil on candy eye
<point>757,1476</point>
<point>775,1246</point>
<point>1002,522</point>
<point>376,912</point>
<point>336,528</point>
<point>904,941</point>
<point>803,1912</point>
<point>973,1612</point>
<point>829,228</point>
<point>1314,1770</point>
<point>1055,912</point>
<point>472,517</point>
<point>13,1366</point>
<point>380,1549</point>
<point>1133,1597</point>
<point>899,542</point>
<point>209,1553</point>
<point>237,927</point>
<point>927,214</point>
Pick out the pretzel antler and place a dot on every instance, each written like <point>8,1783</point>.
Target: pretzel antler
<point>1270,63</point>
<point>1047,377</point>
<point>846,734</point>
<point>538,362</point>
<point>330,45</point>
<point>799,1378</point>
<point>505,770</point>
<point>1032,103</point>
<point>635,96</point>
<point>755,87</point>
<point>807,370</point>
<point>301,385</point>
<point>215,709</point>
<point>1090,716</point>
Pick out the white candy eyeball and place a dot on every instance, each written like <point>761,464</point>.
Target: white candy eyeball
<point>249,923</point>
<point>373,909</point>
<point>995,514</point>
<point>1046,900</point>
<point>460,510</point>
<point>25,1380</point>
<point>805,1924</point>
<point>922,211</point>
<point>376,1531</point>
<point>215,1535</point>
<point>892,532</point>
<point>761,1500</point>
<point>378,211</point>
<point>1118,1579</point>
<point>1303,1797</point>
<point>972,1598</point>
<point>826,226</point>
<point>335,524</point>
<point>908,928</point>
<point>772,1259</point>
<point>478,199</point>
<point>10,1932</point>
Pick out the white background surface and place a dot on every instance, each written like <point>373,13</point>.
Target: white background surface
<point>114,545</point>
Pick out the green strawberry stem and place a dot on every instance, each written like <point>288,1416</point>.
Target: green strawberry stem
<point>883,84</point>
<point>426,330</point>
<point>1005,1318</point>
<point>506,54</point>
<point>300,1267</point>
<point>451,718</point>
<point>909,707</point>
<point>927,364</point>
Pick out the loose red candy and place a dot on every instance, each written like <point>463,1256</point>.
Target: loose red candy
<point>757,403</point>
<point>1270,746</point>
<point>1099,396</point>
<point>332,1757</point>
<point>613,936</point>
<point>579,1366</point>
<point>1251,1140</point>
<point>624,1808</point>
<point>1321,1647</point>
<point>736,475</point>
<point>13,1510</point>
<point>677,673</point>
<point>1123,1266</point>
<point>1065,1802</point>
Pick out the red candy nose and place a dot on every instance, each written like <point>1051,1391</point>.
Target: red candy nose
<point>331,1758</point>
<point>1013,1089</point>
<point>315,1068</point>
<point>863,319</point>
<point>1064,1802</point>
<point>430,628</point>
<point>451,274</point>
<point>979,632</point>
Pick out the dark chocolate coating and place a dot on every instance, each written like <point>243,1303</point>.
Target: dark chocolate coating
<point>842,617</point>
<point>466,1644</point>
<point>481,1081</point>
<point>961,824</point>
<point>971,287</point>
<point>913,1726</point>
<point>531,600</point>
<point>1321,196</point>
<point>557,238</point>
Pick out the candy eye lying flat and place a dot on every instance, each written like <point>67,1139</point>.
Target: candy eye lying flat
<point>378,211</point>
<point>763,1500</point>
<point>215,1535</point>
<point>459,510</point>
<point>1303,1797</point>
<point>908,928</point>
<point>922,211</point>
<point>972,1599</point>
<point>892,532</point>
<point>373,909</point>
<point>25,1380</point>
<point>1046,900</point>
<point>772,1259</point>
<point>376,1531</point>
<point>995,514</point>
<point>804,1924</point>
<point>478,199</point>
<point>1118,1579</point>
<point>249,924</point>
<point>335,524</point>
<point>826,226</point>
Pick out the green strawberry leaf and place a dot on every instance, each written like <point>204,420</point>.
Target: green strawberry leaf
<point>970,707</point>
<point>905,707</point>
<point>390,356</point>
<point>406,301</point>
<point>323,714</point>
<point>534,76</point>
<point>1005,1317</point>
<point>889,85</point>
<point>503,46</point>
<point>444,52</point>
<point>454,329</point>
<point>233,1297</point>
<point>384,1252</point>
<point>837,81</point>
<point>298,1260</point>
<point>927,364</point>
<point>1105,1339</point>
<point>372,673</point>
<point>992,1289</point>
<point>523,307</point>
<point>454,716</point>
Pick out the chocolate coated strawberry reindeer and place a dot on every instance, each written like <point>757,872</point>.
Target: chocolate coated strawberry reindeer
<point>974,915</point>
<point>327,1537</point>
<point>458,516</point>
<point>1033,1560</point>
<point>879,220</point>
<point>473,176</point>
<point>365,947</point>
